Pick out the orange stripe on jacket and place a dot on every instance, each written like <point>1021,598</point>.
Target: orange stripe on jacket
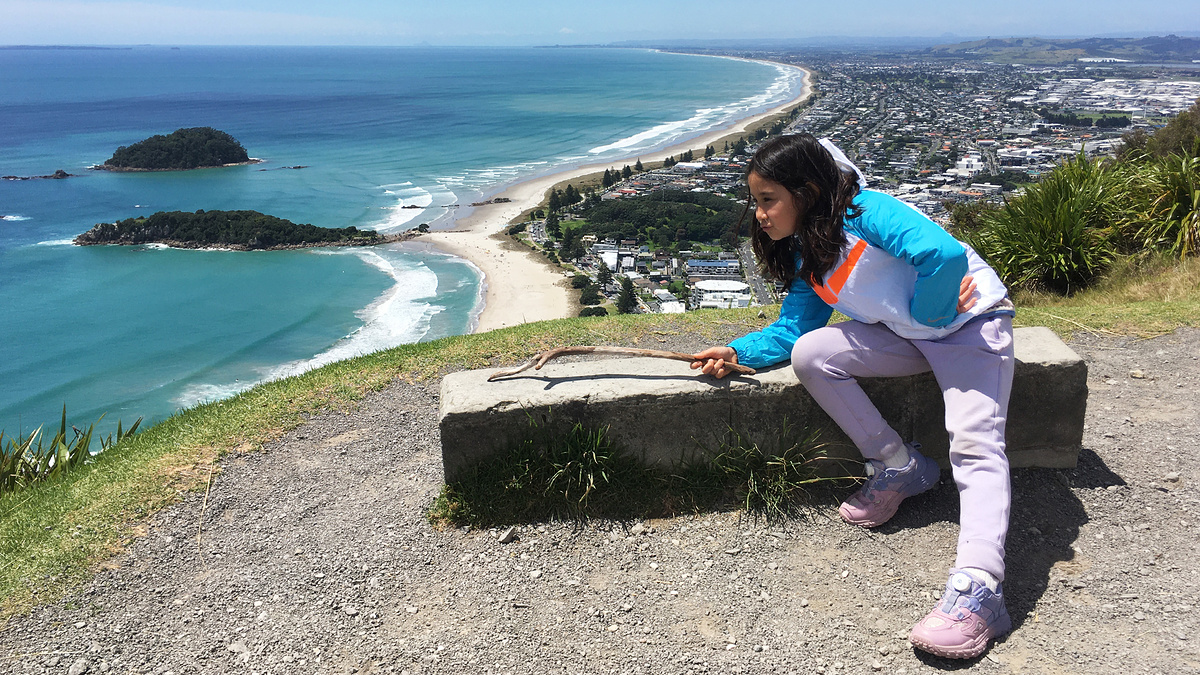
<point>830,289</point>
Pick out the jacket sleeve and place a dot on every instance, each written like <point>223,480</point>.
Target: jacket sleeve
<point>802,311</point>
<point>940,259</point>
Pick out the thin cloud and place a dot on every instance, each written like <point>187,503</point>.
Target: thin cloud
<point>72,22</point>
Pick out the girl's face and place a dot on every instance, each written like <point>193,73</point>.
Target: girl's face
<point>776,209</point>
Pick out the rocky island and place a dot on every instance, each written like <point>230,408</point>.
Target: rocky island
<point>181,150</point>
<point>237,230</point>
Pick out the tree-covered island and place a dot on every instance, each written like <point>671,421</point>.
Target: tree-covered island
<point>194,148</point>
<point>238,230</point>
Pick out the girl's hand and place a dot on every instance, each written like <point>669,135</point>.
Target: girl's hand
<point>966,292</point>
<point>712,361</point>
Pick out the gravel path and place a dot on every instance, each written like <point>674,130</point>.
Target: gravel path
<point>316,558</point>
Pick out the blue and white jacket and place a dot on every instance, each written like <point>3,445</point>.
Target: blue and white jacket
<point>897,268</point>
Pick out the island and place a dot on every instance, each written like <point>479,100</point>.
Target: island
<point>181,150</point>
<point>236,230</point>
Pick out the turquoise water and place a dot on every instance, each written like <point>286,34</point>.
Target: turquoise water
<point>145,331</point>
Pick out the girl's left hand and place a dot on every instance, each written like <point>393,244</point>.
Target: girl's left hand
<point>966,293</point>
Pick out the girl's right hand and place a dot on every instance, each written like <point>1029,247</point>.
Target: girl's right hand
<point>712,361</point>
<point>966,294</point>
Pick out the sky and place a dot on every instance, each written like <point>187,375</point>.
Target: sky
<point>567,22</point>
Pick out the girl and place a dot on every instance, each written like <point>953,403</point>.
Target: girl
<point>919,301</point>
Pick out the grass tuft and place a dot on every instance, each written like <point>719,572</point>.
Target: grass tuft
<point>777,483</point>
<point>582,474</point>
<point>547,475</point>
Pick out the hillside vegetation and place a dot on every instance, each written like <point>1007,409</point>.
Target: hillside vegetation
<point>194,148</point>
<point>1092,216</point>
<point>1158,49</point>
<point>664,217</point>
<point>233,229</point>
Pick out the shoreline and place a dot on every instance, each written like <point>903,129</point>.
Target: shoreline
<point>519,288</point>
<point>133,169</point>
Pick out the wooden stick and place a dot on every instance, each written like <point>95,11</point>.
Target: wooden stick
<point>541,358</point>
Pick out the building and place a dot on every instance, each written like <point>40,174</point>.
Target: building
<point>720,294</point>
<point>714,269</point>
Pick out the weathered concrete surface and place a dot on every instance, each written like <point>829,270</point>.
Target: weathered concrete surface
<point>664,412</point>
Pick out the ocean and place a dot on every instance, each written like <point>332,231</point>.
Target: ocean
<point>348,136</point>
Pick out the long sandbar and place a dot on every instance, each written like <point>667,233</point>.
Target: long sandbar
<point>519,286</point>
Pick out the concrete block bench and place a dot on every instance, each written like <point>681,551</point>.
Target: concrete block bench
<point>663,412</point>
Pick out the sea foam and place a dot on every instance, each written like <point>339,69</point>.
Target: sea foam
<point>487,179</point>
<point>413,202</point>
<point>786,84</point>
<point>399,316</point>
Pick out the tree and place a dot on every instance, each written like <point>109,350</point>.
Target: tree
<point>572,247</point>
<point>593,311</point>
<point>688,156</point>
<point>182,149</point>
<point>709,152</point>
<point>553,228</point>
<point>250,229</point>
<point>1181,135</point>
<point>604,276</point>
<point>606,180</point>
<point>729,240</point>
<point>627,300</point>
<point>969,217</point>
<point>555,201</point>
<point>638,167</point>
<point>669,162</point>
<point>590,295</point>
<point>626,172</point>
<point>570,196</point>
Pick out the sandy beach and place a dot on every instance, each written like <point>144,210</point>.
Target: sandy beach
<point>520,286</point>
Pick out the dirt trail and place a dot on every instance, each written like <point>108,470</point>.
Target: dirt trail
<point>316,558</point>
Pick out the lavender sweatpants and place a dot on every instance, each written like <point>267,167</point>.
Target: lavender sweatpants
<point>974,368</point>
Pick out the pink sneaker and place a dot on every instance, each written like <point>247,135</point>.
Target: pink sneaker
<point>964,621</point>
<point>877,501</point>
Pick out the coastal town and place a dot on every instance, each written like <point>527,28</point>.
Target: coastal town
<point>935,134</point>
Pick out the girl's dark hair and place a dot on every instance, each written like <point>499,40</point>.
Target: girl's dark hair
<point>824,196</point>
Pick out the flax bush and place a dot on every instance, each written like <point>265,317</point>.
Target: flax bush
<point>1163,206</point>
<point>1058,235</point>
<point>28,459</point>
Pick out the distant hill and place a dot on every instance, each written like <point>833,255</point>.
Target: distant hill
<point>242,230</point>
<point>1166,49</point>
<point>194,148</point>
